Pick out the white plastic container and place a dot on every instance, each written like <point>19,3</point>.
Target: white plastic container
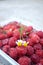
<point>4,58</point>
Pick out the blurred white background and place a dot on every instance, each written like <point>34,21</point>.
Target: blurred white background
<point>31,10</point>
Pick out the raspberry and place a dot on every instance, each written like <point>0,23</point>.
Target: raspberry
<point>13,53</point>
<point>2,36</point>
<point>35,58</point>
<point>6,48</point>
<point>21,51</point>
<point>40,34</point>
<point>9,26</point>
<point>9,33</point>
<point>38,64</point>
<point>1,29</point>
<point>16,25</point>
<point>12,42</point>
<point>30,50</point>
<point>34,38</point>
<point>0,43</point>
<point>37,47</point>
<point>16,33</point>
<point>24,61</point>
<point>31,34</point>
<point>29,28</point>
<point>39,53</point>
<point>41,41</point>
<point>41,61</point>
<point>5,41</point>
<point>30,42</point>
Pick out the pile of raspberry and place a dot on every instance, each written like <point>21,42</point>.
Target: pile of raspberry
<point>32,54</point>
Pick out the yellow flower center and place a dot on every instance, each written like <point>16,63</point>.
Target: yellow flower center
<point>25,44</point>
<point>19,44</point>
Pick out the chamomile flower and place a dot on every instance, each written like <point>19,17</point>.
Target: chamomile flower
<point>21,43</point>
<point>25,43</point>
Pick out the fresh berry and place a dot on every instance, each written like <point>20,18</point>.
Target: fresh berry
<point>41,41</point>
<point>6,48</point>
<point>21,51</point>
<point>5,41</point>
<point>2,36</point>
<point>41,61</point>
<point>35,58</point>
<point>34,38</point>
<point>16,33</point>
<point>37,47</point>
<point>9,33</point>
<point>38,64</point>
<point>40,34</point>
<point>9,26</point>
<point>12,42</point>
<point>13,53</point>
<point>24,61</point>
<point>30,50</point>
<point>39,53</point>
<point>30,42</point>
<point>31,34</point>
<point>29,28</point>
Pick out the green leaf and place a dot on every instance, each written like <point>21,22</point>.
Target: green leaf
<point>21,31</point>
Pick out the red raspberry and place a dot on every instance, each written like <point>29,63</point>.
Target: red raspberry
<point>1,29</point>
<point>30,42</point>
<point>13,53</point>
<point>38,64</point>
<point>0,43</point>
<point>12,42</point>
<point>24,61</point>
<point>5,41</point>
<point>6,48</point>
<point>37,47</point>
<point>41,61</point>
<point>39,53</point>
<point>29,28</point>
<point>30,50</point>
<point>2,36</point>
<point>16,25</point>
<point>9,33</point>
<point>40,34</point>
<point>13,27</point>
<point>21,51</point>
<point>35,58</point>
<point>9,26</point>
<point>41,41</point>
<point>16,33</point>
<point>31,34</point>
<point>34,37</point>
